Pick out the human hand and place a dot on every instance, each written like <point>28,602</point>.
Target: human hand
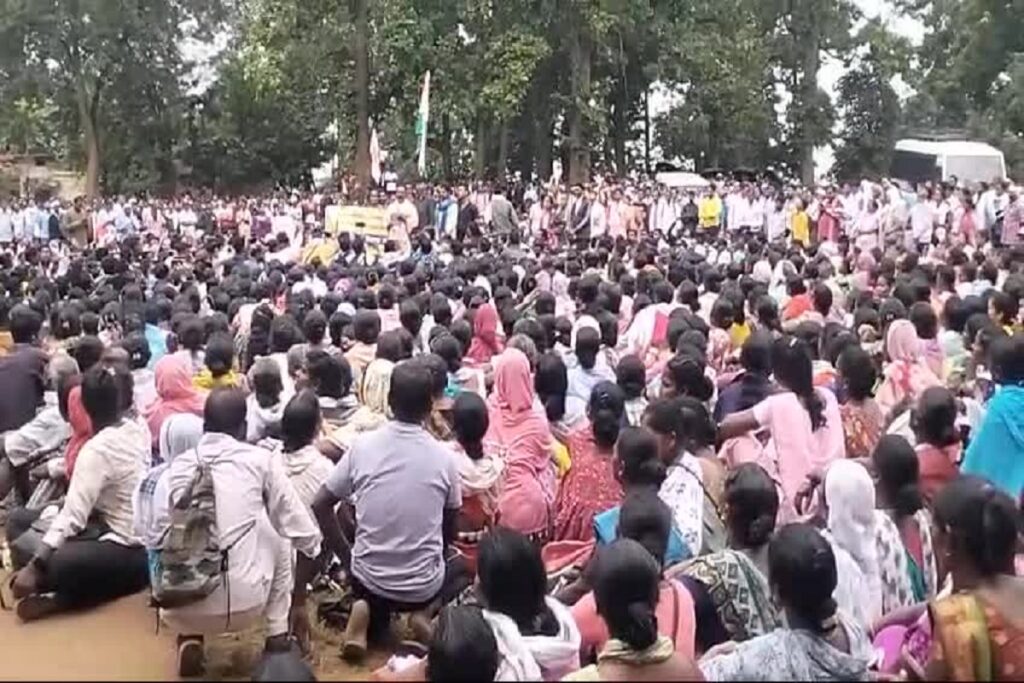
<point>26,582</point>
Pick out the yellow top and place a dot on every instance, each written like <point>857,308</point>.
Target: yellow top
<point>738,334</point>
<point>801,228</point>
<point>709,211</point>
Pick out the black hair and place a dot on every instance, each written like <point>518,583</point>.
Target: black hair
<point>626,590</point>
<point>267,386</point>
<point>551,382</point>
<point>898,472</point>
<point>24,324</point>
<point>300,421</point>
<point>934,418</point>
<point>822,297</point>
<point>983,524</point>
<point>954,314</point>
<point>366,326</point>
<point>314,326</point>
<point>631,376</point>
<point>922,315</point>
<point>636,459</point>
<point>410,316</point>
<point>220,354</point>
<point>448,347</point>
<point>391,347</point>
<point>686,371</point>
<point>512,581</point>
<point>284,334</point>
<point>411,394</point>
<point>438,368</point>
<point>329,374</point>
<point>683,417</point>
<point>470,421</point>
<point>137,348</point>
<point>646,519</point>
<point>90,323</point>
<point>588,343</point>
<point>756,353</point>
<point>858,372</point>
<point>87,352</point>
<point>802,569</point>
<point>462,647</point>
<point>101,396</point>
<point>607,411</point>
<point>752,501</point>
<point>192,334</point>
<point>791,360</point>
<point>1007,356</point>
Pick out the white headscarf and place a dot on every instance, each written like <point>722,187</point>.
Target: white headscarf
<point>850,496</point>
<point>179,433</point>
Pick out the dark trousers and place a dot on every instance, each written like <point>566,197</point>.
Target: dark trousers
<point>84,571</point>
<point>456,580</point>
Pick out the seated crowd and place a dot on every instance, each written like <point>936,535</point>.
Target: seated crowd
<point>725,460</point>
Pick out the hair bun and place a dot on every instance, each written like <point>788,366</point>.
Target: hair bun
<point>642,631</point>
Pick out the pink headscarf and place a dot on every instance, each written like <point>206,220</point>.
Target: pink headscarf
<point>81,429</point>
<point>907,375</point>
<point>486,343</point>
<point>519,432</point>
<point>175,393</point>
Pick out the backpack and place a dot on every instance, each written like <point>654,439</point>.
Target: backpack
<point>190,563</point>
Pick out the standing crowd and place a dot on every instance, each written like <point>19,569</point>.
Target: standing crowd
<point>604,432</point>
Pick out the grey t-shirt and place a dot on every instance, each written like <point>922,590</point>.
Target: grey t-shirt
<point>401,479</point>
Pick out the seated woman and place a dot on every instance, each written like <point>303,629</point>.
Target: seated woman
<point>647,520</point>
<point>175,393</point>
<point>692,487</point>
<point>306,467</point>
<point>90,553</point>
<point>373,412</point>
<point>627,593</point>
<point>462,648</point>
<point>938,440</point>
<point>264,405</point>
<point>978,630</point>
<point>903,527</point>
<point>730,587</point>
<point>551,382</point>
<point>330,377</point>
<point>219,365</point>
<point>849,503</point>
<point>521,434</point>
<point>590,486</point>
<point>479,471</point>
<point>818,642</point>
<point>862,418</point>
<point>536,634</point>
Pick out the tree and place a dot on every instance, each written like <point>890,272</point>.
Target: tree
<point>89,46</point>
<point>870,108</point>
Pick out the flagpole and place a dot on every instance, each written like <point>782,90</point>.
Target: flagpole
<point>422,121</point>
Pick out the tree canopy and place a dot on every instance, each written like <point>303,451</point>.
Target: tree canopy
<point>112,86</point>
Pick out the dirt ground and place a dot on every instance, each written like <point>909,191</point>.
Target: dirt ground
<point>119,642</point>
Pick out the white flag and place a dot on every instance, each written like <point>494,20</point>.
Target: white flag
<point>375,157</point>
<point>421,123</point>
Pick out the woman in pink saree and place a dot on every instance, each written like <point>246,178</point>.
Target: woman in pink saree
<point>907,375</point>
<point>519,432</point>
<point>486,343</point>
<point>175,393</point>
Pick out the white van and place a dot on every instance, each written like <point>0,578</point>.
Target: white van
<point>969,162</point>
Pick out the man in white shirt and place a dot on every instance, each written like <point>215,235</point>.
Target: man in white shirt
<point>403,220</point>
<point>6,225</point>
<point>922,221</point>
<point>90,554</point>
<point>262,520</point>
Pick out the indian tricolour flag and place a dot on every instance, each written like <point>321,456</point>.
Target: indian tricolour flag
<point>421,123</point>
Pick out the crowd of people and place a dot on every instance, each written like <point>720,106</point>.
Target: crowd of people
<point>603,432</point>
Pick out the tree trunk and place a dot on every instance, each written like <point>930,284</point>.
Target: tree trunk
<point>812,62</point>
<point>87,109</point>
<point>579,103</point>
<point>446,146</point>
<point>502,164</point>
<point>362,92</point>
<point>544,139</point>
<point>480,154</point>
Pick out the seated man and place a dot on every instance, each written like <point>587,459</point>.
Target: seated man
<point>90,555</point>
<point>45,432</point>
<point>405,488</point>
<point>260,520</point>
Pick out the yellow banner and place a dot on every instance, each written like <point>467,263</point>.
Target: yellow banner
<point>368,221</point>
